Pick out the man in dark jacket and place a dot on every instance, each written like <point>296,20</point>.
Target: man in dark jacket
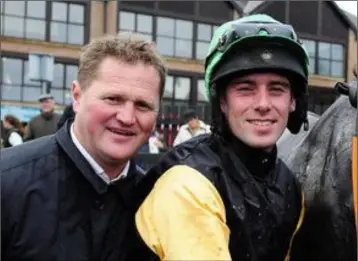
<point>227,196</point>
<point>69,196</point>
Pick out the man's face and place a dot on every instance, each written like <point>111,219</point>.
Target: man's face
<point>193,123</point>
<point>7,124</point>
<point>47,105</point>
<point>116,114</point>
<point>257,107</point>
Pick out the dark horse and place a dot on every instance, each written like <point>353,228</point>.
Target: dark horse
<point>322,163</point>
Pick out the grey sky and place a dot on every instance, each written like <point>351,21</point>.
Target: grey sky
<point>349,6</point>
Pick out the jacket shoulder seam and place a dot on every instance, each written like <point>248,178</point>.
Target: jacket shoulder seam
<point>27,162</point>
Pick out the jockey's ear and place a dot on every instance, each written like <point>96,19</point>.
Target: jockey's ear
<point>223,105</point>
<point>293,105</point>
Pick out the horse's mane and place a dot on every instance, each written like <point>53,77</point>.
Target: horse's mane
<point>327,145</point>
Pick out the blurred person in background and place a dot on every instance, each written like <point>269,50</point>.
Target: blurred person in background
<point>46,122</point>
<point>68,196</point>
<point>157,143</point>
<point>14,131</point>
<point>194,127</point>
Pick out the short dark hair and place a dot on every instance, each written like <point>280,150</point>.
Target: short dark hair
<point>190,114</point>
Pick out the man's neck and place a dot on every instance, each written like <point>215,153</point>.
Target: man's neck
<point>194,130</point>
<point>112,168</point>
<point>113,171</point>
<point>258,161</point>
<point>47,114</point>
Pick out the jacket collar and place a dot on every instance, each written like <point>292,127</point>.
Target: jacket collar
<point>202,125</point>
<point>246,165</point>
<point>259,163</point>
<point>64,140</point>
<point>96,167</point>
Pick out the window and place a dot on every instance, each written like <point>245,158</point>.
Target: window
<point>326,59</point>
<point>169,87</point>
<point>202,96</point>
<point>174,37</point>
<point>64,75</point>
<point>182,88</point>
<point>311,49</point>
<point>16,86</point>
<point>177,88</point>
<point>132,22</point>
<point>29,19</point>
<point>67,23</point>
<point>23,19</point>
<point>179,95</point>
<point>11,82</point>
<point>331,57</point>
<point>31,89</point>
<point>205,33</point>
<point>202,105</point>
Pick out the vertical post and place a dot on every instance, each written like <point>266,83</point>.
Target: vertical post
<point>44,87</point>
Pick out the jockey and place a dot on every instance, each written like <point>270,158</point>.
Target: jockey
<point>226,195</point>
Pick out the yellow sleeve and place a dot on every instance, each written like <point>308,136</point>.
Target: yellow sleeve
<point>299,224</point>
<point>183,218</point>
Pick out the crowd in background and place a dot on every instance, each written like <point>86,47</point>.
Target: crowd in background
<point>14,132</point>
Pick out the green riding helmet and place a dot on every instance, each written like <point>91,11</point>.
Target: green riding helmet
<point>260,43</point>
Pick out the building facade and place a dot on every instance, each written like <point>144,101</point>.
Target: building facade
<point>182,31</point>
<point>330,37</point>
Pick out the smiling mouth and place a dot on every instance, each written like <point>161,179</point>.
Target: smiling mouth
<point>262,122</point>
<point>121,132</point>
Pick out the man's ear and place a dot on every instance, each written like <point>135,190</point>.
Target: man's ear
<point>293,105</point>
<point>76,95</point>
<point>223,105</point>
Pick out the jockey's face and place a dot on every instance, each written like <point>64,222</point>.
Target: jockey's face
<point>257,107</point>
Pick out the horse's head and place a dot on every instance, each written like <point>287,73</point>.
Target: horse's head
<point>349,89</point>
<point>322,163</point>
